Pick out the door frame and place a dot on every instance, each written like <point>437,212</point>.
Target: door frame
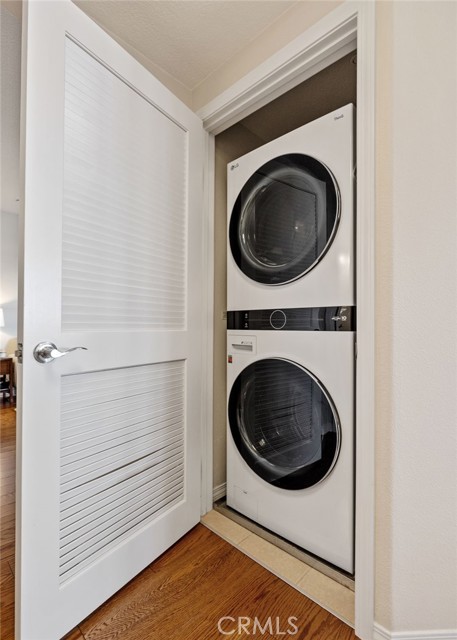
<point>349,25</point>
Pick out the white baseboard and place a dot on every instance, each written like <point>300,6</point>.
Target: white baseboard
<point>219,491</point>
<point>381,633</point>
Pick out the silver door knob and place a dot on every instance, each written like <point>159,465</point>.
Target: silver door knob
<point>47,352</point>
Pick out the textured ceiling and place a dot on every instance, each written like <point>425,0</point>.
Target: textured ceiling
<point>189,39</point>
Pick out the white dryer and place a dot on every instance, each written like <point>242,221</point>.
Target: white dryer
<point>291,219</point>
<point>290,441</point>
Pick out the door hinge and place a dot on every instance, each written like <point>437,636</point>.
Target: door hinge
<point>18,352</point>
<point>356,351</point>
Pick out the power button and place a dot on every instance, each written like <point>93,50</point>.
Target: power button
<point>278,319</point>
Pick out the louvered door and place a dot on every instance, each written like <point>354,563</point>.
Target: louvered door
<point>109,444</point>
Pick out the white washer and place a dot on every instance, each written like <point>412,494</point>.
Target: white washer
<point>291,219</point>
<point>290,444</point>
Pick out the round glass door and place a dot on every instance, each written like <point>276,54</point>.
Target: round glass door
<point>284,219</point>
<point>284,423</point>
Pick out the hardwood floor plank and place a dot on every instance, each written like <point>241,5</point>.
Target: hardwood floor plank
<point>7,488</point>
<point>7,535</point>
<point>7,467</point>
<point>7,509</point>
<point>6,601</point>
<point>5,574</point>
<point>7,521</point>
<point>5,455</point>
<point>7,524</point>
<point>8,497</point>
<point>7,552</point>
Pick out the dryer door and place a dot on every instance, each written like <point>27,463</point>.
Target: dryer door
<point>284,423</point>
<point>284,219</point>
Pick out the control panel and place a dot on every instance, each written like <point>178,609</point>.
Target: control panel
<point>297,319</point>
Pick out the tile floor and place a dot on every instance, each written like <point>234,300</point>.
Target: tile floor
<point>329,594</point>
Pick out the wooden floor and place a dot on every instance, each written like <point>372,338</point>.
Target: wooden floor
<point>183,594</point>
<point>7,504</point>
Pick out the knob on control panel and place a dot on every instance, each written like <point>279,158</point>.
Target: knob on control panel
<point>278,319</point>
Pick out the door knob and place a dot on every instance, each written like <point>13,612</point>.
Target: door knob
<point>47,352</point>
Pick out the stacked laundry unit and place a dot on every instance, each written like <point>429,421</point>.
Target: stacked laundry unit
<point>291,337</point>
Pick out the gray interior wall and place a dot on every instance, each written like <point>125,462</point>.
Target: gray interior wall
<point>330,89</point>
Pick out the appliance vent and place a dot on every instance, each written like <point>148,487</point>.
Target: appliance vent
<point>122,456</point>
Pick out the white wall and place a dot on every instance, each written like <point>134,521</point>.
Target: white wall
<point>417,308</point>
<point>10,75</point>
<point>9,177</point>
<point>8,277</point>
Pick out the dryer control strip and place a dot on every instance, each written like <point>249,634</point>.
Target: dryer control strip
<point>297,319</point>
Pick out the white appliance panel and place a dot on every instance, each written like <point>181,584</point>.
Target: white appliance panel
<point>330,141</point>
<point>319,519</point>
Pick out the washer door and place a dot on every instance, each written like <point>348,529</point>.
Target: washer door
<point>284,423</point>
<point>284,219</point>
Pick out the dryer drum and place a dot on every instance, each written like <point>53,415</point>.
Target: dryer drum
<point>284,423</point>
<point>284,219</point>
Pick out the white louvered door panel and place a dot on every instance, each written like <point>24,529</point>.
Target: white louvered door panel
<point>109,443</point>
<point>121,456</point>
<point>120,271</point>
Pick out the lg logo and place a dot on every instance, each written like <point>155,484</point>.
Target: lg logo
<point>251,626</point>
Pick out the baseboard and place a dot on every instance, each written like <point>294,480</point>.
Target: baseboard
<point>381,633</point>
<point>219,491</point>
